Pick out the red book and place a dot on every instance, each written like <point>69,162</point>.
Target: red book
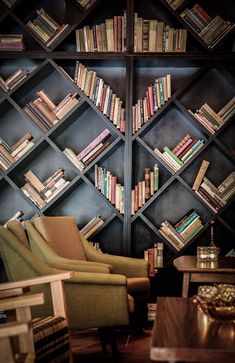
<point>151,105</point>
<point>187,148</point>
<point>113,189</point>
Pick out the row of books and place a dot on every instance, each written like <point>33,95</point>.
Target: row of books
<point>91,227</point>
<point>101,95</point>
<point>10,154</point>
<point>45,113</point>
<point>155,36</point>
<point>145,188</point>
<point>215,197</point>
<point>90,152</point>
<point>46,28</point>
<point>109,36</point>
<point>86,3</point>
<point>211,120</point>
<point>152,311</point>
<point>156,96</point>
<point>154,256</point>
<point>210,30</point>
<point>11,42</point>
<point>109,187</point>
<point>184,230</point>
<point>10,82</point>
<point>175,4</point>
<point>41,193</point>
<point>181,153</point>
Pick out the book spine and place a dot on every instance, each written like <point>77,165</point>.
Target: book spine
<point>93,144</point>
<point>200,175</point>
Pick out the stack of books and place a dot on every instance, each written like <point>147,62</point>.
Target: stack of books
<point>18,216</point>
<point>181,153</point>
<point>210,30</point>
<point>175,4</point>
<point>91,227</point>
<point>9,155</point>
<point>156,96</point>
<point>101,95</point>
<point>13,80</point>
<point>105,37</point>
<point>211,120</point>
<point>86,3</point>
<point>109,187</point>
<point>184,230</point>
<point>41,193</point>
<point>155,36</point>
<point>152,310</point>
<point>145,189</point>
<point>11,42</point>
<point>45,114</point>
<point>46,28</point>
<point>215,197</point>
<point>9,3</point>
<point>91,151</point>
<point>154,256</point>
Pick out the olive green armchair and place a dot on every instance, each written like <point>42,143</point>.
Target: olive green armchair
<point>94,299</point>
<point>57,241</point>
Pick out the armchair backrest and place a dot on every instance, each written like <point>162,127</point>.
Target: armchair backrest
<point>62,235</point>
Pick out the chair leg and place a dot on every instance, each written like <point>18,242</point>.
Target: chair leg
<point>102,337</point>
<point>107,336</point>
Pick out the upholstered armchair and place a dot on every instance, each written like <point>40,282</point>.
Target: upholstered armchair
<point>58,241</point>
<point>94,299</point>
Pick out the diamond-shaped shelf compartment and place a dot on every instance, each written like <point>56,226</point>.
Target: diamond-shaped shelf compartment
<point>62,12</point>
<point>10,67</point>
<point>13,127</point>
<point>11,198</point>
<point>164,208</point>
<point>10,26</point>
<point>80,130</point>
<point>81,195</point>
<point>169,130</point>
<point>217,78</point>
<point>44,161</point>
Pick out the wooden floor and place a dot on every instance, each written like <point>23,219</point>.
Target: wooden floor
<point>133,347</point>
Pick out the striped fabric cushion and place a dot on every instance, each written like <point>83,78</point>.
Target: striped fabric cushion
<point>51,339</point>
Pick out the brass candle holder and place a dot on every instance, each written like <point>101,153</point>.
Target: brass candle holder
<point>208,253</point>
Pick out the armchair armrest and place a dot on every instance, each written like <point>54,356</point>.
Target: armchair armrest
<point>128,266</point>
<point>22,306</point>
<point>11,292</point>
<point>56,285</point>
<point>98,279</point>
<point>21,301</point>
<point>12,329</point>
<point>80,266</point>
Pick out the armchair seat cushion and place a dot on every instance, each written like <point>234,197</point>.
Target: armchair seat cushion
<point>137,285</point>
<point>59,232</point>
<point>51,339</point>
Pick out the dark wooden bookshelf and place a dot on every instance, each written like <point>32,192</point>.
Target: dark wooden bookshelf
<point>198,75</point>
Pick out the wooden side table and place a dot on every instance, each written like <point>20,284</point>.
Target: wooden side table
<point>224,272</point>
<point>183,333</point>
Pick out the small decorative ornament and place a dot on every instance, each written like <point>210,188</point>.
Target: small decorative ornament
<point>208,253</point>
<point>216,301</point>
